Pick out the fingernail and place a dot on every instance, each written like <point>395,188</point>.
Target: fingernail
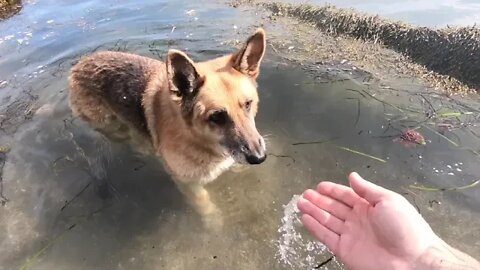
<point>301,203</point>
<point>308,192</point>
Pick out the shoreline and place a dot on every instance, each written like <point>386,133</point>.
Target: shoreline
<point>449,57</point>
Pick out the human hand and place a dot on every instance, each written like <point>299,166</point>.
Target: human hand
<point>367,226</point>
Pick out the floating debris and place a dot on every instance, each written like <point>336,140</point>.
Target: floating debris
<point>4,149</point>
<point>35,257</point>
<point>362,154</point>
<point>412,136</point>
<point>423,188</point>
<point>453,114</point>
<point>316,142</point>
<point>190,12</point>
<point>441,135</point>
<point>3,159</point>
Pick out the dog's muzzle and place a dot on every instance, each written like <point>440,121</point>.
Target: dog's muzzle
<point>257,155</point>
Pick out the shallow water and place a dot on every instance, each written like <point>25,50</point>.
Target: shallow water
<point>431,13</point>
<point>78,202</point>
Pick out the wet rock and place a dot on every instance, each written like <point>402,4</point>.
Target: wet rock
<point>8,8</point>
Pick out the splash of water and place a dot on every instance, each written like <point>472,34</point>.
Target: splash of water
<point>295,248</point>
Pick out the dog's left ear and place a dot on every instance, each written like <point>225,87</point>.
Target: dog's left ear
<point>248,59</point>
<point>183,78</point>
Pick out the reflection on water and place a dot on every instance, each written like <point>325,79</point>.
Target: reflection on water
<point>77,201</point>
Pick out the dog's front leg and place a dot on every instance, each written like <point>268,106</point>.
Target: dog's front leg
<point>199,198</point>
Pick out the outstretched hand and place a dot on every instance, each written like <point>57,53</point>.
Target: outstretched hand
<point>366,226</point>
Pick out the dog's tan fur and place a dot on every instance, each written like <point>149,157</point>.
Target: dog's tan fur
<point>176,110</point>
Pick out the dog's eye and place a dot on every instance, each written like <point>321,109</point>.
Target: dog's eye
<point>219,118</point>
<point>248,105</point>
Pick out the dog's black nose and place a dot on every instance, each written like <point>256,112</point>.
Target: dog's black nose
<point>256,159</point>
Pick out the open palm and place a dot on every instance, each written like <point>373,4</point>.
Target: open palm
<point>366,226</point>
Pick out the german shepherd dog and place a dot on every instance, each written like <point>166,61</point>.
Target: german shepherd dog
<point>198,118</point>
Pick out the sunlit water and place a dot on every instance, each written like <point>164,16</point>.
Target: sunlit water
<point>431,13</point>
<point>76,201</point>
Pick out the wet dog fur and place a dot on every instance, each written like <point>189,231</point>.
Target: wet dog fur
<point>198,118</point>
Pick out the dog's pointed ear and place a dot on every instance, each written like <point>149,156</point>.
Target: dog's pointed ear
<point>183,78</point>
<point>247,60</point>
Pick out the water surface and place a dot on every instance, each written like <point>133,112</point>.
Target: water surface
<point>76,201</point>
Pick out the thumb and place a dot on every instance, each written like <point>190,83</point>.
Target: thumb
<point>367,190</point>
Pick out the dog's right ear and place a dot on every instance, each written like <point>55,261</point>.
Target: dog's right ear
<point>183,78</point>
<point>248,59</point>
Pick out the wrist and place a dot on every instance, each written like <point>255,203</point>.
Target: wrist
<point>441,256</point>
<point>431,258</point>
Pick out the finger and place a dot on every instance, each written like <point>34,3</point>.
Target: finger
<point>326,219</point>
<point>320,232</point>
<point>367,190</point>
<point>328,204</point>
<point>338,192</point>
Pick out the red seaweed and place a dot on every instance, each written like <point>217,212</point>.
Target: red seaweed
<point>412,136</point>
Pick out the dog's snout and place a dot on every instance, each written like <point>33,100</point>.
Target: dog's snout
<point>261,143</point>
<point>256,159</point>
<point>244,149</point>
<point>256,155</point>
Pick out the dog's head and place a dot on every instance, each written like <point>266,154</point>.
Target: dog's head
<point>218,98</point>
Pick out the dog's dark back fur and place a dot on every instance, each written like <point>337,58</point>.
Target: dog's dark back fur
<point>120,81</point>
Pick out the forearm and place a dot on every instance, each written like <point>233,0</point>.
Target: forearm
<point>444,257</point>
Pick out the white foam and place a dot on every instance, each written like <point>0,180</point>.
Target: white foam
<point>295,250</point>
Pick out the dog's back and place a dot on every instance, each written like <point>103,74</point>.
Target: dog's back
<point>106,90</point>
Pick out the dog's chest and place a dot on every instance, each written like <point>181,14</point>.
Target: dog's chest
<point>217,169</point>
<point>189,170</point>
<point>209,172</point>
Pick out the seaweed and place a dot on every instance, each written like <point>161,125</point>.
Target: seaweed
<point>424,188</point>
<point>361,154</point>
